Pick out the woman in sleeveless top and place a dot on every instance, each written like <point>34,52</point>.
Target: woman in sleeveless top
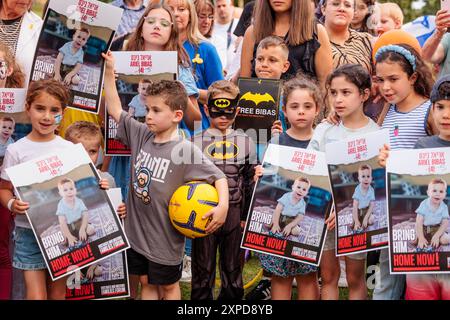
<point>309,47</point>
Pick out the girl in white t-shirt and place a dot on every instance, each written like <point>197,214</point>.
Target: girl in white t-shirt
<point>349,88</point>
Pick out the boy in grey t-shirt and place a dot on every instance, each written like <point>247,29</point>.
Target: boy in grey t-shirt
<point>160,160</point>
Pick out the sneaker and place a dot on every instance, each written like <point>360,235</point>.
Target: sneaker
<point>261,292</point>
<point>186,274</point>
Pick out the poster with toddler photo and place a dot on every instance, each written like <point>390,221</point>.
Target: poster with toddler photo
<point>103,280</point>
<point>259,105</point>
<point>359,193</point>
<point>419,229</point>
<point>290,204</point>
<point>73,37</point>
<point>74,221</point>
<point>107,279</point>
<point>12,103</point>
<point>135,71</point>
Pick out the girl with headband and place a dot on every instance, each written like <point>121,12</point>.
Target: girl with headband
<point>405,83</point>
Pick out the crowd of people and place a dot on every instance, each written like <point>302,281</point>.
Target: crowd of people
<point>346,69</point>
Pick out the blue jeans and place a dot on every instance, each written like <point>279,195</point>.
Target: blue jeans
<point>391,286</point>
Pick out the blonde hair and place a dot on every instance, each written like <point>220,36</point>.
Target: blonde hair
<point>199,6</point>
<point>393,10</point>
<point>10,119</point>
<point>222,86</point>
<point>63,181</point>
<point>365,167</point>
<point>303,179</point>
<point>193,33</point>
<point>438,181</point>
<point>274,41</point>
<point>83,129</point>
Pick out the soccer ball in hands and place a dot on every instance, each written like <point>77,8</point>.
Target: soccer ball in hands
<point>188,205</point>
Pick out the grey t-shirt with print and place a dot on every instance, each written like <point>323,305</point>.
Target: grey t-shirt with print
<point>158,169</point>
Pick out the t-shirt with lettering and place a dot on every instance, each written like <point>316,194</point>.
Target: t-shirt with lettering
<point>24,150</point>
<point>157,170</point>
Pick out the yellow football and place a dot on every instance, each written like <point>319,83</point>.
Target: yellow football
<point>188,205</point>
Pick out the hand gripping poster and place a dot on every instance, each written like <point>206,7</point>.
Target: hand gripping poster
<point>12,112</point>
<point>359,193</point>
<point>290,204</point>
<point>73,37</point>
<point>106,279</point>
<point>136,70</point>
<point>259,105</point>
<point>419,229</point>
<point>74,221</point>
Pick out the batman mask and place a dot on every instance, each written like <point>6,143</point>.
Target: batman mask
<point>222,107</point>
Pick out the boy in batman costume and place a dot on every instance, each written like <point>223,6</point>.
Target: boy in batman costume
<point>234,153</point>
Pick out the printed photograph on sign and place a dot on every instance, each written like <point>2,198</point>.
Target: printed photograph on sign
<point>12,116</point>
<point>259,105</point>
<point>288,210</point>
<point>103,280</point>
<point>74,34</point>
<point>419,195</point>
<point>359,192</point>
<point>136,71</point>
<point>419,218</point>
<point>73,219</point>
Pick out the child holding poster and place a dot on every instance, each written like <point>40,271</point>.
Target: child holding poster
<point>302,101</point>
<point>432,217</point>
<point>363,199</point>
<point>405,82</point>
<point>429,286</point>
<point>156,253</point>
<point>45,103</point>
<point>70,58</point>
<point>349,89</point>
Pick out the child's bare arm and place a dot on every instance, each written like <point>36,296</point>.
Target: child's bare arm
<point>422,242</point>
<point>6,194</point>
<point>65,230</point>
<point>57,67</point>
<point>383,155</point>
<point>276,218</point>
<point>71,74</point>
<point>219,213</point>
<point>113,104</point>
<point>355,214</point>
<point>84,224</point>
<point>435,241</point>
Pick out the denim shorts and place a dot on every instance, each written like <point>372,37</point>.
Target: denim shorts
<point>27,255</point>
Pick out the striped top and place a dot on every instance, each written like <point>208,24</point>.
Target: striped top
<point>406,128</point>
<point>9,33</point>
<point>357,49</point>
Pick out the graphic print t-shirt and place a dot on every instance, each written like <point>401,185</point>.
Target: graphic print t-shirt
<point>158,169</point>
